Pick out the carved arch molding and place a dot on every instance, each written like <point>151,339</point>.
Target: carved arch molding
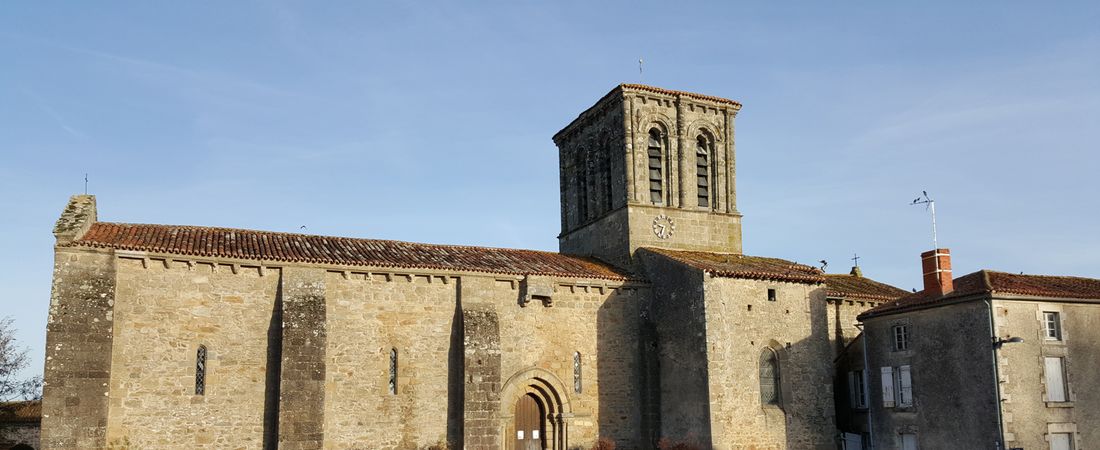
<point>548,389</point>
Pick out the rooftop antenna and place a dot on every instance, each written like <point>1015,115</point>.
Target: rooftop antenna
<point>929,204</point>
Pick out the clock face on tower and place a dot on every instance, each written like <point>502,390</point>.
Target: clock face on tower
<point>663,226</point>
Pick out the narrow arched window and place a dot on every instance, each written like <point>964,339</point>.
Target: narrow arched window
<point>656,167</point>
<point>393,371</point>
<point>577,372</point>
<point>702,170</point>
<point>769,378</point>
<point>200,371</point>
<point>581,169</point>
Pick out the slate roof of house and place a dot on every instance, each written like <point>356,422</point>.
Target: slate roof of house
<point>731,265</point>
<point>992,283</point>
<point>21,412</point>
<point>290,247</point>
<point>859,287</point>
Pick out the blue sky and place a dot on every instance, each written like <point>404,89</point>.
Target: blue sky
<point>431,122</point>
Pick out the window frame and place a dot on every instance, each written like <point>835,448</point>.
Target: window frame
<point>655,135</point>
<point>703,178</point>
<point>769,357</point>
<point>901,337</point>
<point>201,366</point>
<point>857,389</point>
<point>578,387</point>
<point>393,371</point>
<point>1062,382</point>
<point>1052,329</point>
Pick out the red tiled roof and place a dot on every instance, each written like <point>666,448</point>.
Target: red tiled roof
<point>1044,285</point>
<point>643,87</point>
<point>730,265</point>
<point>289,247</point>
<point>991,282</point>
<point>852,286</point>
<point>21,412</point>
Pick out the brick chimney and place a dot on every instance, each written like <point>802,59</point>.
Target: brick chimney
<point>937,271</point>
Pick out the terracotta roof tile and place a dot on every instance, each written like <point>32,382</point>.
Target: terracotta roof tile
<point>289,247</point>
<point>731,265</point>
<point>853,286</point>
<point>1044,285</point>
<point>992,282</point>
<point>21,412</point>
<point>644,87</point>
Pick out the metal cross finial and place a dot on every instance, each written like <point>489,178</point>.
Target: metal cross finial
<point>639,66</point>
<point>855,259</point>
<point>85,183</point>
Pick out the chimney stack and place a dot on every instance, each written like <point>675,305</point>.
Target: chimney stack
<point>937,271</point>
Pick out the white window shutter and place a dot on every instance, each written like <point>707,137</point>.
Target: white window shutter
<point>1056,381</point>
<point>906,382</point>
<point>888,387</point>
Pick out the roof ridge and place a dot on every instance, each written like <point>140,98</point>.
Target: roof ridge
<point>289,233</point>
<point>651,88</point>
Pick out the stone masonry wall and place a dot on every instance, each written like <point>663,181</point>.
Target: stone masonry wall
<point>597,320</point>
<point>302,392</point>
<point>12,434</point>
<point>332,351</point>
<point>841,316</point>
<point>951,367</point>
<point>677,314</point>
<point>162,315</point>
<point>620,124</point>
<point>371,314</point>
<point>1028,417</point>
<point>80,334</point>
<point>741,324</point>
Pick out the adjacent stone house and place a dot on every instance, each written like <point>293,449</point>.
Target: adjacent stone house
<point>988,360</point>
<point>19,425</point>
<point>649,324</point>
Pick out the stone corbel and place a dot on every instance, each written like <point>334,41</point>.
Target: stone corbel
<point>536,287</point>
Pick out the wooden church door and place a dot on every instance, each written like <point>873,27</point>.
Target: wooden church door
<point>530,432</point>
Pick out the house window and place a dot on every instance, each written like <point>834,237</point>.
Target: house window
<point>577,372</point>
<point>581,169</point>
<point>769,378</point>
<point>897,387</point>
<point>393,371</point>
<point>901,338</point>
<point>908,441</point>
<point>200,371</point>
<point>702,170</point>
<point>771,295</point>
<point>887,383</point>
<point>1061,441</point>
<point>1053,324</point>
<point>905,387</point>
<point>857,389</point>
<point>656,172</point>
<point>1055,371</point>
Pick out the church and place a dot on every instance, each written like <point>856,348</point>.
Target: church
<point>649,328</point>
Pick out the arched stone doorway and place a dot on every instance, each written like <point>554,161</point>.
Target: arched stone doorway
<point>547,394</point>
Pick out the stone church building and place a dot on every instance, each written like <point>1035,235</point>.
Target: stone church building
<point>649,325</point>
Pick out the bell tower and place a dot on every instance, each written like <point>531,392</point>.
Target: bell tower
<point>649,167</point>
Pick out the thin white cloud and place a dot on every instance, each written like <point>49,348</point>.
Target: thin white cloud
<point>43,106</point>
